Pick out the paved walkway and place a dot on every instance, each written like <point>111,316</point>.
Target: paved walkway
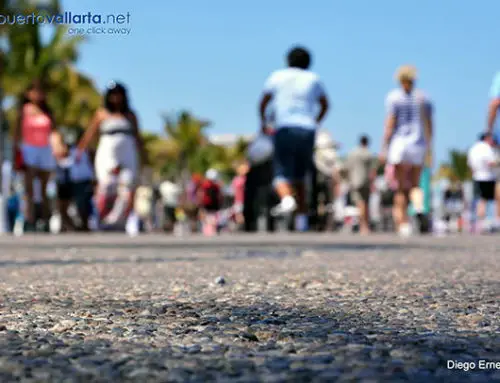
<point>248,308</point>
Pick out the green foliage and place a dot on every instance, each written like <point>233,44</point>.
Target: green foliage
<point>72,95</point>
<point>456,168</point>
<point>458,162</point>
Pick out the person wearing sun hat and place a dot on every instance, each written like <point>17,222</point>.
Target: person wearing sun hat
<point>407,141</point>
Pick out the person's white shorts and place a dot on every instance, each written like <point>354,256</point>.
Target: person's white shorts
<point>404,152</point>
<point>38,157</point>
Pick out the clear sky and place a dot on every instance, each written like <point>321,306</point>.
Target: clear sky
<point>213,57</point>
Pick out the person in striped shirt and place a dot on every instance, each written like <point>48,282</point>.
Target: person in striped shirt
<point>407,142</point>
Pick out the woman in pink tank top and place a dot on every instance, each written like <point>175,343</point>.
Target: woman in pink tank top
<point>37,142</point>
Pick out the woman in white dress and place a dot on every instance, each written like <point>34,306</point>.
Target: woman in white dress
<point>117,160</point>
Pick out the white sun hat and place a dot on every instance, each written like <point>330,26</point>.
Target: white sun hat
<point>212,175</point>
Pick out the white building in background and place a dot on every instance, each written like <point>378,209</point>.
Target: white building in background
<point>324,139</point>
<point>229,139</point>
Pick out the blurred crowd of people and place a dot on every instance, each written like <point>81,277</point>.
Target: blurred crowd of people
<point>291,178</point>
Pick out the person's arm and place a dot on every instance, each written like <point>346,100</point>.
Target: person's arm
<point>267,97</point>
<point>90,132</point>
<point>323,102</point>
<point>264,102</point>
<point>390,125</point>
<point>59,148</point>
<point>373,169</point>
<point>17,133</point>
<point>494,103</point>
<point>428,132</point>
<point>492,113</point>
<point>137,135</point>
<point>428,124</point>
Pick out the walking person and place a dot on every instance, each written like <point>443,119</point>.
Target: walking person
<point>407,140</point>
<point>482,160</point>
<point>361,168</point>
<point>117,160</point>
<point>259,196</point>
<point>35,143</point>
<point>295,93</point>
<point>238,188</point>
<point>495,131</point>
<point>171,194</point>
<point>210,202</point>
<point>75,185</point>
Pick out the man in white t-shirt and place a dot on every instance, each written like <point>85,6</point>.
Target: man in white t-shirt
<point>482,160</point>
<point>295,93</point>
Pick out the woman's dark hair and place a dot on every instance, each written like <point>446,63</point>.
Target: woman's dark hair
<point>44,107</point>
<point>299,57</point>
<point>116,88</point>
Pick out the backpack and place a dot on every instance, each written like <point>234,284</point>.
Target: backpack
<point>211,198</point>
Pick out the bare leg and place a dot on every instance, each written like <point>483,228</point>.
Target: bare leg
<point>28,197</point>
<point>400,209</point>
<point>364,219</point>
<point>102,201</point>
<point>416,193</point>
<point>481,212</point>
<point>284,189</point>
<point>44,180</point>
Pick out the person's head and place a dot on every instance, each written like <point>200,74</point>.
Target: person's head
<point>196,178</point>
<point>212,175</point>
<point>364,141</point>
<point>35,93</point>
<point>489,139</point>
<point>299,57</point>
<point>406,76</point>
<point>241,168</point>
<point>115,99</point>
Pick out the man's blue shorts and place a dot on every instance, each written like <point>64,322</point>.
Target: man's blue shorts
<point>293,153</point>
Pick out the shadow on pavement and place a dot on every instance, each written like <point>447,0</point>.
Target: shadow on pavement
<point>208,341</point>
<point>86,261</point>
<point>224,251</point>
<point>347,246</point>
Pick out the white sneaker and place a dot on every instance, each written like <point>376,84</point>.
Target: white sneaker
<point>132,225</point>
<point>286,207</point>
<point>405,230</point>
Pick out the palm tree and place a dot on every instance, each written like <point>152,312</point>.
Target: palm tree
<point>458,162</point>
<point>187,134</point>
<point>456,168</point>
<point>72,95</point>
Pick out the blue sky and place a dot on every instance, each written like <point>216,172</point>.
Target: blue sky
<point>213,57</point>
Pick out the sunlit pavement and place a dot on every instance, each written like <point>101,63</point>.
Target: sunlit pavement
<point>303,307</point>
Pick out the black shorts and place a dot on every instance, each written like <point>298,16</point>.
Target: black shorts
<point>293,153</point>
<point>169,212</point>
<point>485,190</point>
